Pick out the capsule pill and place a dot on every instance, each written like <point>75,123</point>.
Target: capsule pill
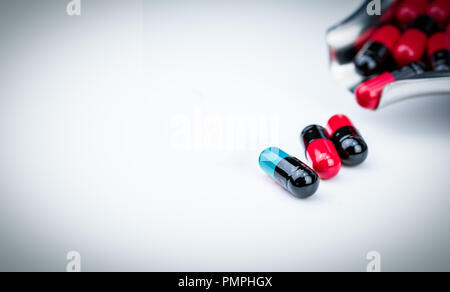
<point>292,174</point>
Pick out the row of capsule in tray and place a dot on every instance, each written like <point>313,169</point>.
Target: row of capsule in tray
<point>411,40</point>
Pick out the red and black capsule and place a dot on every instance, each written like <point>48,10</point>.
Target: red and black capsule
<point>321,152</point>
<point>376,55</point>
<point>409,11</point>
<point>439,51</point>
<point>349,143</point>
<point>292,174</point>
<point>368,94</point>
<point>439,11</point>
<point>434,18</point>
<point>347,54</point>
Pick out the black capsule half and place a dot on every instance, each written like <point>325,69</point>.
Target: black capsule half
<point>292,174</point>
<point>349,143</point>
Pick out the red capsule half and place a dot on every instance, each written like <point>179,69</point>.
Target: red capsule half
<point>409,10</point>
<point>337,122</point>
<point>389,15</point>
<point>411,47</point>
<point>368,94</point>
<point>321,152</point>
<point>439,10</point>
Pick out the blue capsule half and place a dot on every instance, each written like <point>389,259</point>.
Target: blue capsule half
<point>292,174</point>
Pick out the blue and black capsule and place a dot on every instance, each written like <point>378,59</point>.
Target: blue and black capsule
<point>292,174</point>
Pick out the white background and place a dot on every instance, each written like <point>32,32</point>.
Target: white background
<point>93,109</point>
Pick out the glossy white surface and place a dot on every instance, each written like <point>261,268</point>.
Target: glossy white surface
<point>117,131</point>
